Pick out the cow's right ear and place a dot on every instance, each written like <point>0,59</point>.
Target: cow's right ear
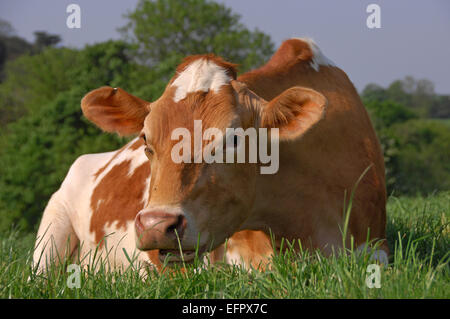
<point>114,110</point>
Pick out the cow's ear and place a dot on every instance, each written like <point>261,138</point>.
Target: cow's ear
<point>293,112</point>
<point>114,110</point>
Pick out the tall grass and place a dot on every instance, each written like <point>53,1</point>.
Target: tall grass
<point>418,233</point>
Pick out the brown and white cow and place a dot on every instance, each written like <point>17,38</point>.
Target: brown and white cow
<point>92,215</point>
<point>326,143</point>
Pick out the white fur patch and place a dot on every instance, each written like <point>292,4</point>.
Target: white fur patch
<point>318,57</point>
<point>200,75</point>
<point>77,190</point>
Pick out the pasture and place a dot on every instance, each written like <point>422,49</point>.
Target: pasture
<point>418,232</point>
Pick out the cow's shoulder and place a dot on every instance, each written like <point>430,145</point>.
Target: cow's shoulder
<point>88,171</point>
<point>120,188</point>
<point>81,172</point>
<point>92,167</point>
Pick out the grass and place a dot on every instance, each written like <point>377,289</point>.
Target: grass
<point>418,233</point>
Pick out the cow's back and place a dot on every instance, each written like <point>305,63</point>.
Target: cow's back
<point>316,171</point>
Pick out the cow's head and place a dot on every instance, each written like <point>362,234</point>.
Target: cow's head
<point>194,203</point>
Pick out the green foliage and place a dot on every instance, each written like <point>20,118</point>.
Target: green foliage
<point>416,151</point>
<point>386,113</point>
<point>420,157</point>
<point>12,46</point>
<point>33,80</point>
<point>38,152</point>
<point>416,95</point>
<point>165,28</point>
<point>38,149</point>
<point>373,92</point>
<point>44,40</point>
<point>106,63</point>
<point>440,108</point>
<point>418,237</point>
<point>423,220</point>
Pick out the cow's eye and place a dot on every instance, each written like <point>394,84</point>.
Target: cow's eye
<point>149,151</point>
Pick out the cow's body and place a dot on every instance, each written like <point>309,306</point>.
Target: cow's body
<point>93,215</point>
<point>95,207</point>
<point>304,200</point>
<point>317,170</point>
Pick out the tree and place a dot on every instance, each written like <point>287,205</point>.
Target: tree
<point>38,149</point>
<point>33,80</point>
<point>164,28</point>
<point>420,162</point>
<point>440,108</point>
<point>416,150</point>
<point>396,93</point>
<point>43,40</point>
<point>38,152</point>
<point>11,46</point>
<point>417,95</point>
<point>106,63</point>
<point>374,93</point>
<point>6,29</point>
<point>385,113</point>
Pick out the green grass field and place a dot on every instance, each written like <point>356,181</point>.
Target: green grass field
<point>418,233</point>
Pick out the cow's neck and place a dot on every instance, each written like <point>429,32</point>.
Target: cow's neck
<point>280,197</point>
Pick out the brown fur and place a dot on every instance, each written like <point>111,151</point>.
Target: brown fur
<point>330,158</point>
<point>113,110</point>
<point>305,198</point>
<point>118,197</point>
<point>117,153</point>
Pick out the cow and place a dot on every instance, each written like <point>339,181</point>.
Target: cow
<point>140,197</point>
<point>92,216</point>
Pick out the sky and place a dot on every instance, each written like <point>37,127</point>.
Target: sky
<point>411,40</point>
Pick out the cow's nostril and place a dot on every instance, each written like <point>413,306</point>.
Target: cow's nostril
<point>178,227</point>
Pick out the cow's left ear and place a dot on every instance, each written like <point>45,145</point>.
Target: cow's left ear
<point>294,112</point>
<point>115,110</point>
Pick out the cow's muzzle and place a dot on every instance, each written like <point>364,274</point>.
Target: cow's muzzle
<point>156,229</point>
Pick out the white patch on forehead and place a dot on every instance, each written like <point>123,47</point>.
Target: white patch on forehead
<point>200,75</point>
<point>318,57</point>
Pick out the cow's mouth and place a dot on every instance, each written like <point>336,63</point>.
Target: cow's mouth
<point>174,255</point>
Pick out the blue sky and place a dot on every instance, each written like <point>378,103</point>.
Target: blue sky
<point>413,38</point>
